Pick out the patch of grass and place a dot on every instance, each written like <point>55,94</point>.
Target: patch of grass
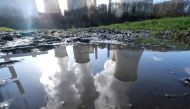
<point>6,29</point>
<point>180,27</point>
<point>178,23</point>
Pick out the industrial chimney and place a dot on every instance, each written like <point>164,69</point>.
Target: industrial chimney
<point>52,6</point>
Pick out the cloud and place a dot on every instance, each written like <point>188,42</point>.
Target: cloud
<point>156,58</point>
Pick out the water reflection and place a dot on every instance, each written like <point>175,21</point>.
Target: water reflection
<point>85,81</point>
<point>11,89</point>
<point>114,81</point>
<point>9,100</point>
<point>71,89</point>
<point>79,88</point>
<point>99,77</point>
<point>127,61</point>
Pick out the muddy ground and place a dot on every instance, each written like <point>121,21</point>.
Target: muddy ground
<point>41,40</point>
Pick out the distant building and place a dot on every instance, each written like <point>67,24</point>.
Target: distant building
<point>128,1</point>
<point>102,9</point>
<point>95,3</point>
<point>138,8</point>
<point>76,4</point>
<point>109,6</point>
<point>89,3</point>
<point>52,6</point>
<point>171,8</point>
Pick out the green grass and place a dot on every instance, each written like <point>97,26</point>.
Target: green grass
<point>179,26</point>
<point>178,23</point>
<point>6,29</point>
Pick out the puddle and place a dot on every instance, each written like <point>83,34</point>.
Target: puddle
<point>96,77</point>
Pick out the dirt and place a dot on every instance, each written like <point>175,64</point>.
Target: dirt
<point>42,40</point>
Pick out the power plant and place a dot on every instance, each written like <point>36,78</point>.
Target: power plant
<point>51,6</point>
<point>76,4</point>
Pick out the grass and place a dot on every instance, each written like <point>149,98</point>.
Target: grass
<point>178,23</point>
<point>6,29</point>
<point>179,26</point>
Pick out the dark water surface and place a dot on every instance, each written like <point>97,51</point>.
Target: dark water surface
<point>96,77</point>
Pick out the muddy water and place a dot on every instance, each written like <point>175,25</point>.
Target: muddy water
<point>96,77</point>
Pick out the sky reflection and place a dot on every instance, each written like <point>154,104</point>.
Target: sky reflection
<point>97,77</point>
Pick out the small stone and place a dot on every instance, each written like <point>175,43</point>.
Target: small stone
<point>7,38</point>
<point>84,40</point>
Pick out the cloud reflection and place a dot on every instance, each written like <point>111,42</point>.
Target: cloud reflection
<point>114,81</point>
<point>78,88</point>
<point>70,89</point>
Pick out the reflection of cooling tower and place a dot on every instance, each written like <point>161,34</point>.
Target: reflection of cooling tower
<point>61,52</point>
<point>52,6</point>
<point>127,64</point>
<point>81,53</point>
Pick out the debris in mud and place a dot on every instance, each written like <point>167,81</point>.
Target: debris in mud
<point>83,40</point>
<point>24,42</point>
<point>7,38</point>
<point>4,64</point>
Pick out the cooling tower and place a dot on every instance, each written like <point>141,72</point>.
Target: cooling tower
<point>52,6</point>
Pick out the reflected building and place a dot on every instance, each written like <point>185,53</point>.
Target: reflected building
<point>60,84</point>
<point>52,6</point>
<point>10,100</point>
<point>61,52</point>
<point>81,54</point>
<point>116,78</point>
<point>71,89</point>
<point>85,80</point>
<point>127,61</point>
